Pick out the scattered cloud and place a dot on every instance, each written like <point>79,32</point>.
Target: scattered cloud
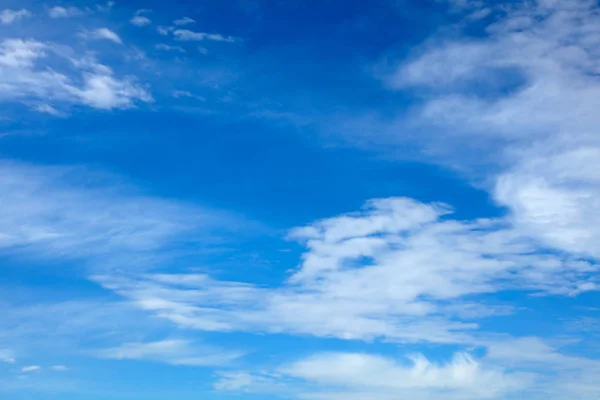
<point>101,34</point>
<point>8,16</point>
<point>526,86</point>
<point>334,375</point>
<point>184,21</point>
<point>58,368</point>
<point>140,20</point>
<point>164,30</point>
<point>43,209</point>
<point>186,35</point>
<point>64,12</point>
<point>90,83</point>
<point>463,375</point>
<point>183,93</point>
<point>47,109</point>
<point>106,7</point>
<point>166,47</point>
<point>31,368</point>
<point>175,352</point>
<point>6,356</point>
<point>386,271</point>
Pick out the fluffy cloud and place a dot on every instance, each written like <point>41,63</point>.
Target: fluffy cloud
<point>529,87</point>
<point>139,19</point>
<point>8,16</point>
<point>23,77</point>
<point>386,271</point>
<point>364,376</point>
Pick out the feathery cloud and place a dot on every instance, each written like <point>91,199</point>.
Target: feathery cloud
<point>184,21</point>
<point>186,35</point>
<point>101,34</point>
<point>64,12</point>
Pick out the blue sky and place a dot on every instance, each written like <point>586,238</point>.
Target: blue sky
<point>241,199</point>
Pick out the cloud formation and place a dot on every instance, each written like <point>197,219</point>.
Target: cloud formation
<point>85,81</point>
<point>101,34</point>
<point>184,21</point>
<point>64,12</point>
<point>187,35</point>
<point>47,213</point>
<point>527,86</point>
<point>8,16</point>
<point>31,368</point>
<point>175,352</point>
<point>386,271</point>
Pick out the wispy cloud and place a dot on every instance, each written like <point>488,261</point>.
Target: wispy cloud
<point>164,30</point>
<point>90,83</point>
<point>176,352</point>
<point>166,47</point>
<point>64,12</point>
<point>47,109</point>
<point>45,210</point>
<point>526,86</point>
<point>334,375</point>
<point>139,19</point>
<point>346,285</point>
<point>7,356</point>
<point>105,7</point>
<point>186,35</point>
<point>8,16</point>
<point>184,21</point>
<point>31,368</point>
<point>101,34</point>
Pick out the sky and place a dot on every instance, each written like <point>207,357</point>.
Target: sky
<point>303,200</point>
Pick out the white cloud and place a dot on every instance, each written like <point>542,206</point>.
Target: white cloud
<point>186,35</point>
<point>164,30</point>
<point>31,368</point>
<point>24,77</point>
<point>101,34</point>
<point>176,352</point>
<point>46,213</point>
<point>462,374</point>
<point>106,7</point>
<point>183,93</point>
<point>7,356</point>
<point>140,20</point>
<point>386,271</point>
<point>47,109</point>
<point>367,376</point>
<point>64,12</point>
<point>184,21</point>
<point>8,16</point>
<point>525,94</point>
<point>59,368</point>
<point>166,47</point>
<point>106,92</point>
